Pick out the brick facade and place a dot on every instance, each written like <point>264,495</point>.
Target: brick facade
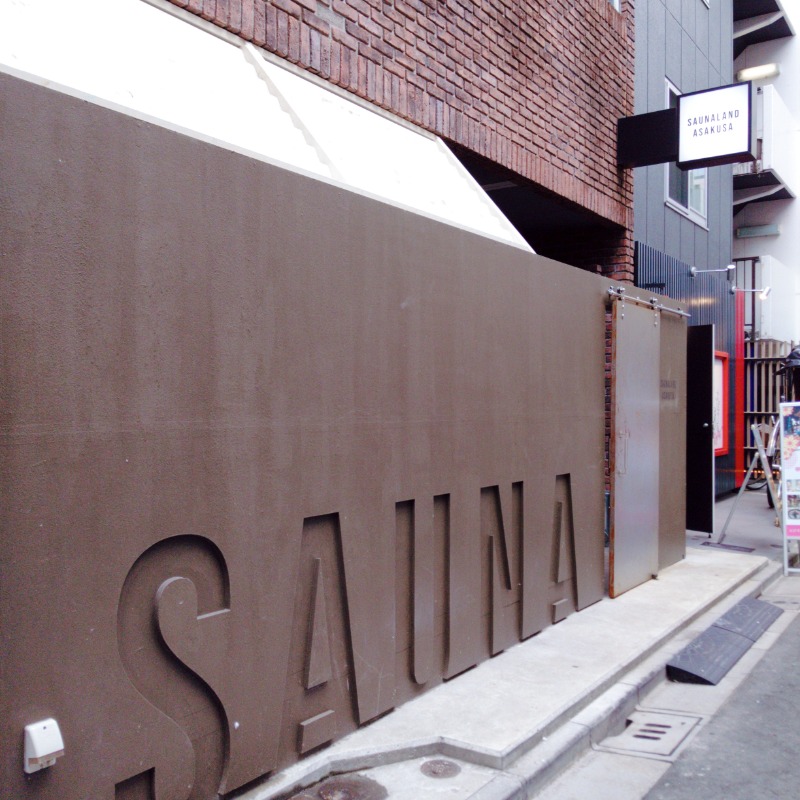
<point>534,86</point>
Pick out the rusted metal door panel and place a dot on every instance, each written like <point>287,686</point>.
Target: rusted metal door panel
<point>636,372</point>
<point>276,457</point>
<point>672,447</point>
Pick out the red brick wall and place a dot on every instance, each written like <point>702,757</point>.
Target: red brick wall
<point>535,86</point>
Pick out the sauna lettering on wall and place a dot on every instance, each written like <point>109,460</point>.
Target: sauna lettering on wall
<point>472,576</point>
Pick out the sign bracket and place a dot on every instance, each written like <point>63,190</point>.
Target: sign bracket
<point>708,128</point>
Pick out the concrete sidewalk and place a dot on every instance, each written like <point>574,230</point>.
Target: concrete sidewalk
<point>507,727</point>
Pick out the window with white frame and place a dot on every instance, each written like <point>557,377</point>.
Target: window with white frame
<point>686,191</point>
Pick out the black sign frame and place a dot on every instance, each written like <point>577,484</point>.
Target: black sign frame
<point>737,157</point>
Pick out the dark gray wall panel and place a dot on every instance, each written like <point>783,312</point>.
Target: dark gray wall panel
<point>674,56</point>
<point>640,81</point>
<point>674,7</point>
<point>689,9</point>
<point>701,28</point>
<point>682,41</point>
<point>701,68</point>
<point>688,79</point>
<point>663,33</point>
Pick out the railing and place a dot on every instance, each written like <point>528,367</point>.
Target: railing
<point>748,167</point>
<point>763,388</point>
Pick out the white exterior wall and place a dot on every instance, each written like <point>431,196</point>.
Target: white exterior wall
<point>778,316</point>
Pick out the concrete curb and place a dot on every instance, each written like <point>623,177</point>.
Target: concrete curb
<point>606,716</point>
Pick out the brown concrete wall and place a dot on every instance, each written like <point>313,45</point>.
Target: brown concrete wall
<point>274,457</point>
<point>534,86</point>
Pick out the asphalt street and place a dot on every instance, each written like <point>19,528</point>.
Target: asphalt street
<point>747,751</point>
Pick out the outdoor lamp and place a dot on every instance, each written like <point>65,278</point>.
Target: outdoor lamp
<point>762,293</point>
<point>693,271</point>
<point>759,73</point>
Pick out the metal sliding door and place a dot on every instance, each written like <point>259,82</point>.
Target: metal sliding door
<point>633,556</point>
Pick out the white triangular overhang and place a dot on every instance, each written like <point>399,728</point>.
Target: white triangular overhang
<point>154,61</point>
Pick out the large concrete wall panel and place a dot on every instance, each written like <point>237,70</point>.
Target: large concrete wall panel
<point>274,456</point>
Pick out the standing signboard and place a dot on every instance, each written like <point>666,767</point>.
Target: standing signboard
<point>790,483</point>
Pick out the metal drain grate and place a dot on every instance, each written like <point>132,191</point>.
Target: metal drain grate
<point>653,734</point>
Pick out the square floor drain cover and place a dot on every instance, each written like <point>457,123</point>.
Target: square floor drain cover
<point>653,734</point>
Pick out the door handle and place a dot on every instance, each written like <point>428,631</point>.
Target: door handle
<point>705,424</point>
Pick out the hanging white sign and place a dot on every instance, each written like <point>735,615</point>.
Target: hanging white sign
<point>715,127</point>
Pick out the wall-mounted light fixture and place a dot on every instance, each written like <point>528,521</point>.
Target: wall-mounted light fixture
<point>762,293</point>
<point>759,73</point>
<point>693,271</point>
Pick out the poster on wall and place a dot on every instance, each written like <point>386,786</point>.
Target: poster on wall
<point>790,469</point>
<point>719,409</point>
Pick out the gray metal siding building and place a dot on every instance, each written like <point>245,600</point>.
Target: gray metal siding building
<point>683,220</point>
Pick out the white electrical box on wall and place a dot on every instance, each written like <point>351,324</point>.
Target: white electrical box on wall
<point>43,745</point>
